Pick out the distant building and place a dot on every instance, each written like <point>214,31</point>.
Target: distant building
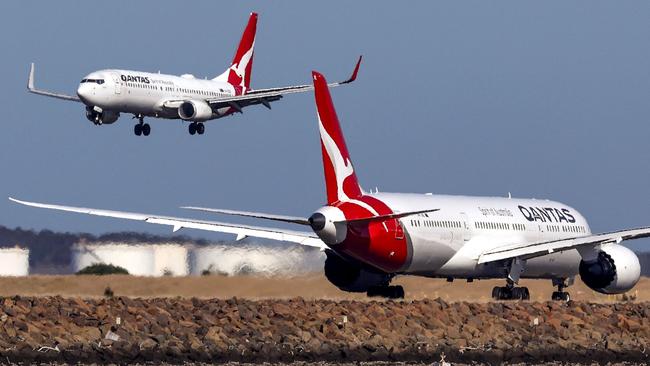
<point>14,262</point>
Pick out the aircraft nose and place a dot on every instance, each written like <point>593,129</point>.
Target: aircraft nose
<point>83,91</point>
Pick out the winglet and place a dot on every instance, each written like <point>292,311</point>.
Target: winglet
<point>16,201</point>
<point>353,77</point>
<point>32,89</point>
<point>30,81</point>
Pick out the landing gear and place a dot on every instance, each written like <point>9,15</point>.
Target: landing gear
<point>509,292</point>
<point>141,128</point>
<point>560,294</point>
<point>390,292</point>
<point>196,127</point>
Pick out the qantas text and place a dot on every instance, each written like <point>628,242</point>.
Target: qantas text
<point>137,79</point>
<point>547,214</point>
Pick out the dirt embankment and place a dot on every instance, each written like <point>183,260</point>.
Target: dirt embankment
<point>120,330</point>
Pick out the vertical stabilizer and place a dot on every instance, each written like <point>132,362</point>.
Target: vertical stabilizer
<point>340,180</point>
<point>239,72</point>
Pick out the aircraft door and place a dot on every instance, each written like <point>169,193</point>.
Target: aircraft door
<point>117,84</point>
<point>466,228</point>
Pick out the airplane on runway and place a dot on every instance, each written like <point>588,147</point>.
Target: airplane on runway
<point>370,238</point>
<point>107,93</point>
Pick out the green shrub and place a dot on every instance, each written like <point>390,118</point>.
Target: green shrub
<point>102,269</point>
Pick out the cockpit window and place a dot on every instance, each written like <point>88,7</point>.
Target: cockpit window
<point>98,81</point>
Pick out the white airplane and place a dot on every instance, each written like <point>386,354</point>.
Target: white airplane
<point>107,93</point>
<point>370,238</point>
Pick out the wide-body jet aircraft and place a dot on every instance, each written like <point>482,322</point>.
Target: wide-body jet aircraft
<point>370,238</point>
<point>107,93</point>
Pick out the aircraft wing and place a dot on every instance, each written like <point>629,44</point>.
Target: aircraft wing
<point>33,89</point>
<point>265,96</point>
<point>532,250</point>
<point>177,223</point>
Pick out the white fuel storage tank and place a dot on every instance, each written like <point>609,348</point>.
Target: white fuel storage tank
<point>14,262</point>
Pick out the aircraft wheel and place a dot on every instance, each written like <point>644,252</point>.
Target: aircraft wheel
<point>389,292</point>
<point>520,293</point>
<point>560,296</point>
<point>137,129</point>
<point>396,292</point>
<point>496,292</point>
<point>200,128</point>
<point>146,129</point>
<point>192,128</point>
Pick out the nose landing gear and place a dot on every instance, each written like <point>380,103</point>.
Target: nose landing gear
<point>196,127</point>
<point>141,128</point>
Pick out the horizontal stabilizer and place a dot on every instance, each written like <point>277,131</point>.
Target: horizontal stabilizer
<point>257,215</point>
<point>389,216</point>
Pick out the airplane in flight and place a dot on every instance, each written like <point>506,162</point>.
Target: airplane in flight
<point>371,237</point>
<point>108,93</point>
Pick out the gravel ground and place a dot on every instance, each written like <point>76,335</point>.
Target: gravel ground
<point>177,330</point>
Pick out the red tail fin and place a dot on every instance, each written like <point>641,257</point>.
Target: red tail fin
<point>239,73</point>
<point>340,180</point>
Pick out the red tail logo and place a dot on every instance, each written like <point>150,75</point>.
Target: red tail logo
<point>340,180</point>
<point>239,72</point>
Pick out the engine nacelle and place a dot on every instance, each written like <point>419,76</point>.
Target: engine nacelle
<point>101,117</point>
<point>615,270</point>
<point>351,277</point>
<point>195,110</point>
<point>329,224</point>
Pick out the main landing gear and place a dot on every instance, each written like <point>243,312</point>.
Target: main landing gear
<point>510,292</point>
<point>560,294</point>
<point>141,128</point>
<point>390,292</point>
<point>196,127</point>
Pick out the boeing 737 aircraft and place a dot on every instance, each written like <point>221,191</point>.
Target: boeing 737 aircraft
<point>370,238</point>
<point>107,93</point>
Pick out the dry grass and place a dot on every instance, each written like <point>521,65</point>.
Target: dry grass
<point>313,286</point>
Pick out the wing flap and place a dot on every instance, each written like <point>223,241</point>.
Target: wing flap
<point>299,237</point>
<point>532,250</point>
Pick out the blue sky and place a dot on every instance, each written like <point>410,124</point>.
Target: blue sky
<point>542,99</point>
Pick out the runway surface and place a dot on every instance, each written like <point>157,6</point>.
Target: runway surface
<point>311,286</point>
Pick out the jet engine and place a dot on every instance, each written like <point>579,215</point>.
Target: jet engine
<point>195,110</point>
<point>351,277</point>
<point>100,117</point>
<point>614,270</point>
<point>329,224</point>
